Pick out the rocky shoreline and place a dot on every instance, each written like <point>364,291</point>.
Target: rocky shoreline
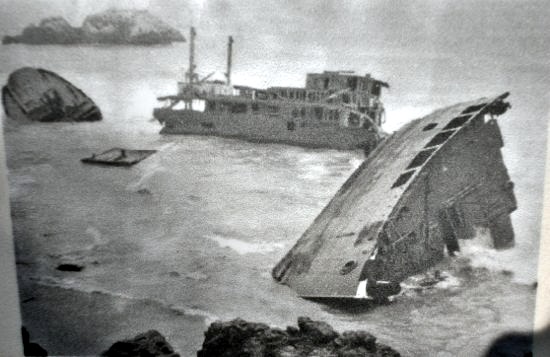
<point>241,338</point>
<point>115,27</point>
<point>310,338</point>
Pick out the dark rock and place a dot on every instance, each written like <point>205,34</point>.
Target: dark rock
<point>312,338</point>
<point>137,27</point>
<point>359,339</point>
<point>318,331</point>
<point>144,191</point>
<point>148,344</point>
<point>69,267</point>
<point>51,30</point>
<point>30,348</point>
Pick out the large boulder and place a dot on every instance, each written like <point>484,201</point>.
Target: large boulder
<point>311,338</point>
<point>150,344</point>
<point>134,27</point>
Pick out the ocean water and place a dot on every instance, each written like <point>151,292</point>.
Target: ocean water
<point>197,227</point>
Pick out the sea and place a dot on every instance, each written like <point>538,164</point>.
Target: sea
<point>190,235</point>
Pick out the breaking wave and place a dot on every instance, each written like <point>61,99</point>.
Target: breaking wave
<point>242,247</point>
<point>70,284</point>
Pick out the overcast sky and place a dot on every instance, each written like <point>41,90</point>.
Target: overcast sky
<point>496,27</point>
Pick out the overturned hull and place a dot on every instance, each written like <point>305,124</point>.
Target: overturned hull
<point>34,94</point>
<point>417,196</point>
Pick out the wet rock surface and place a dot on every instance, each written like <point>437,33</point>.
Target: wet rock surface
<point>30,348</point>
<point>70,267</point>
<point>135,27</point>
<point>310,338</point>
<point>148,344</point>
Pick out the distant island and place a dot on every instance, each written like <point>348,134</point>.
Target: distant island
<point>117,27</point>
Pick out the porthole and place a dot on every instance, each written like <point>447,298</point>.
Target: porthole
<point>429,126</point>
<point>348,267</point>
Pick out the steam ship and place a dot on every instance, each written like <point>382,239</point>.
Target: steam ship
<point>335,109</point>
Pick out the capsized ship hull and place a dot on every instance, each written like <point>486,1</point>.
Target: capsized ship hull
<point>266,128</point>
<point>418,195</point>
<point>35,94</point>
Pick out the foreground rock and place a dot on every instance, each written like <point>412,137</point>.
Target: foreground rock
<point>31,348</point>
<point>35,94</point>
<point>134,27</point>
<point>311,338</point>
<point>148,344</point>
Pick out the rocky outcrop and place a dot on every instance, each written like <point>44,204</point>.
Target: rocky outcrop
<point>310,338</point>
<point>128,27</point>
<point>134,27</point>
<point>150,343</point>
<point>51,30</point>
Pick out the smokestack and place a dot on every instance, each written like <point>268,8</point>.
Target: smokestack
<point>229,58</point>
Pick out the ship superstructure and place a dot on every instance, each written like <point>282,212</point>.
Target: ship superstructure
<point>335,109</point>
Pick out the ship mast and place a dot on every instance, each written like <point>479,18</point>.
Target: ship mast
<point>229,59</point>
<point>191,72</point>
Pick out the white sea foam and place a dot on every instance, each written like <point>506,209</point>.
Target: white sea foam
<point>71,284</point>
<point>481,254</point>
<point>243,247</point>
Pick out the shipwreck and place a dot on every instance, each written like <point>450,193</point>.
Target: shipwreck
<point>35,94</point>
<point>416,197</point>
<point>335,109</point>
<point>118,157</point>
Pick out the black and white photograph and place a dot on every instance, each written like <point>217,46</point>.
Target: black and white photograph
<point>221,178</point>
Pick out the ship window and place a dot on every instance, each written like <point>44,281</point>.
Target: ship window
<point>211,106</point>
<point>273,109</point>
<point>376,89</point>
<point>456,122</point>
<point>345,98</point>
<point>318,112</point>
<point>440,138</point>
<point>348,267</point>
<point>401,180</point>
<point>429,126</point>
<point>420,158</point>
<point>290,125</point>
<point>352,83</point>
<point>238,108</point>
<point>473,108</point>
<point>354,119</point>
<point>222,107</point>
